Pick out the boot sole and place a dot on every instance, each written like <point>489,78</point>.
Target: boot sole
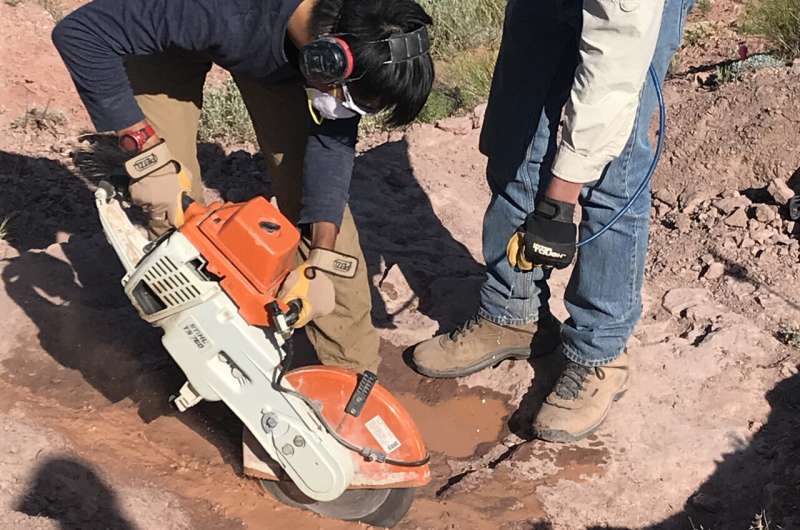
<point>516,354</point>
<point>558,436</point>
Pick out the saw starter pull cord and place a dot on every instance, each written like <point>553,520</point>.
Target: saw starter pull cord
<point>370,454</point>
<point>662,115</point>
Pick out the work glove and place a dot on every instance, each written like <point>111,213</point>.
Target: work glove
<point>546,239</point>
<point>157,185</point>
<point>311,283</point>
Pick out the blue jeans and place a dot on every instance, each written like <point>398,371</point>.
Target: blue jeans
<point>603,296</point>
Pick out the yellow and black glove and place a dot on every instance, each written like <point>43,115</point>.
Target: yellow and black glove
<point>311,284</point>
<point>546,239</point>
<point>158,183</point>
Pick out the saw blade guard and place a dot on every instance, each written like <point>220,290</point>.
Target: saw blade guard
<point>383,425</point>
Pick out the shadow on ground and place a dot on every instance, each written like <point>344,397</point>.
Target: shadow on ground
<point>762,477</point>
<point>70,492</point>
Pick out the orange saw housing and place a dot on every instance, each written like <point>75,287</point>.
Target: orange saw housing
<point>250,247</point>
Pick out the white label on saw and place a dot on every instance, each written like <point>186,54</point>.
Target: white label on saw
<point>383,434</point>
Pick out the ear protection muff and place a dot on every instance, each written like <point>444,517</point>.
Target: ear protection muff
<point>327,61</point>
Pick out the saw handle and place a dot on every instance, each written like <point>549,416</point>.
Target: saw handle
<point>293,311</point>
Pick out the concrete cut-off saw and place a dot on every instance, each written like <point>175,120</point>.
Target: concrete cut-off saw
<point>319,437</point>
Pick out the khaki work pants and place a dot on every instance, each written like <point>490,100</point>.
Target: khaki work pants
<point>169,90</point>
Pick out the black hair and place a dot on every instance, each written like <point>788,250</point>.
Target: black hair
<point>401,88</point>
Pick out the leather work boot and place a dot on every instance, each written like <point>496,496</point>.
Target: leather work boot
<point>479,343</point>
<point>580,400</point>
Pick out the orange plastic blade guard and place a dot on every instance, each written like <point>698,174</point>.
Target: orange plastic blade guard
<point>332,387</point>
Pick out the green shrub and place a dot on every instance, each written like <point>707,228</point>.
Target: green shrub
<point>464,24</point>
<point>778,21</point>
<point>225,117</point>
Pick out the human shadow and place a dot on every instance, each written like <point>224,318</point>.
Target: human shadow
<point>80,316</point>
<point>71,493</point>
<point>399,227</point>
<point>758,478</point>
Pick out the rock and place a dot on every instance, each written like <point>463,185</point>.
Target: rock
<point>690,200</point>
<point>789,227</point>
<point>7,251</point>
<point>654,333</point>
<point>478,115</point>
<point>676,301</point>
<point>743,288</point>
<point>737,219</point>
<point>789,369</point>
<point>707,259</point>
<point>746,243</point>
<point>765,212</point>
<point>753,225</point>
<point>683,223</point>
<point>456,125</point>
<point>759,236</point>
<point>730,204</point>
<point>780,191</point>
<point>714,270</point>
<point>666,196</point>
<point>396,136</point>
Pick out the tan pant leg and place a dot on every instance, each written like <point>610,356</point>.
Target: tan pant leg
<point>169,89</point>
<point>346,337</point>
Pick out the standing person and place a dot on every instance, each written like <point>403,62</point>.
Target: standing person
<point>590,60</point>
<point>139,67</point>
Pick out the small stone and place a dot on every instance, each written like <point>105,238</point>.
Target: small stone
<point>707,259</point>
<point>746,243</point>
<point>789,369</point>
<point>737,219</point>
<point>743,288</point>
<point>789,227</point>
<point>714,271</point>
<point>759,236</point>
<point>690,200</point>
<point>780,191</point>
<point>478,115</point>
<point>730,204</point>
<point>753,225</point>
<point>456,125</point>
<point>666,196</point>
<point>683,223</point>
<point>765,212</point>
<point>676,301</point>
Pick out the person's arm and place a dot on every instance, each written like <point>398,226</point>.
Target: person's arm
<point>327,171</point>
<point>94,39</point>
<point>616,48</point>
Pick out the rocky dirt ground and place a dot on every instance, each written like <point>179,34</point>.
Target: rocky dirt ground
<point>706,436</point>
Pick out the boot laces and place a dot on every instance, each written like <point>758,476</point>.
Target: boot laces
<point>464,328</point>
<point>573,378</point>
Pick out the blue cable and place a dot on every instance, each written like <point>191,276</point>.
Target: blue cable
<point>662,112</point>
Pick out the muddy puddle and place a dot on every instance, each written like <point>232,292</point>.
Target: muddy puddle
<point>457,426</point>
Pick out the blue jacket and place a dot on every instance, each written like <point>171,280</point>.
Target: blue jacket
<point>245,37</point>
